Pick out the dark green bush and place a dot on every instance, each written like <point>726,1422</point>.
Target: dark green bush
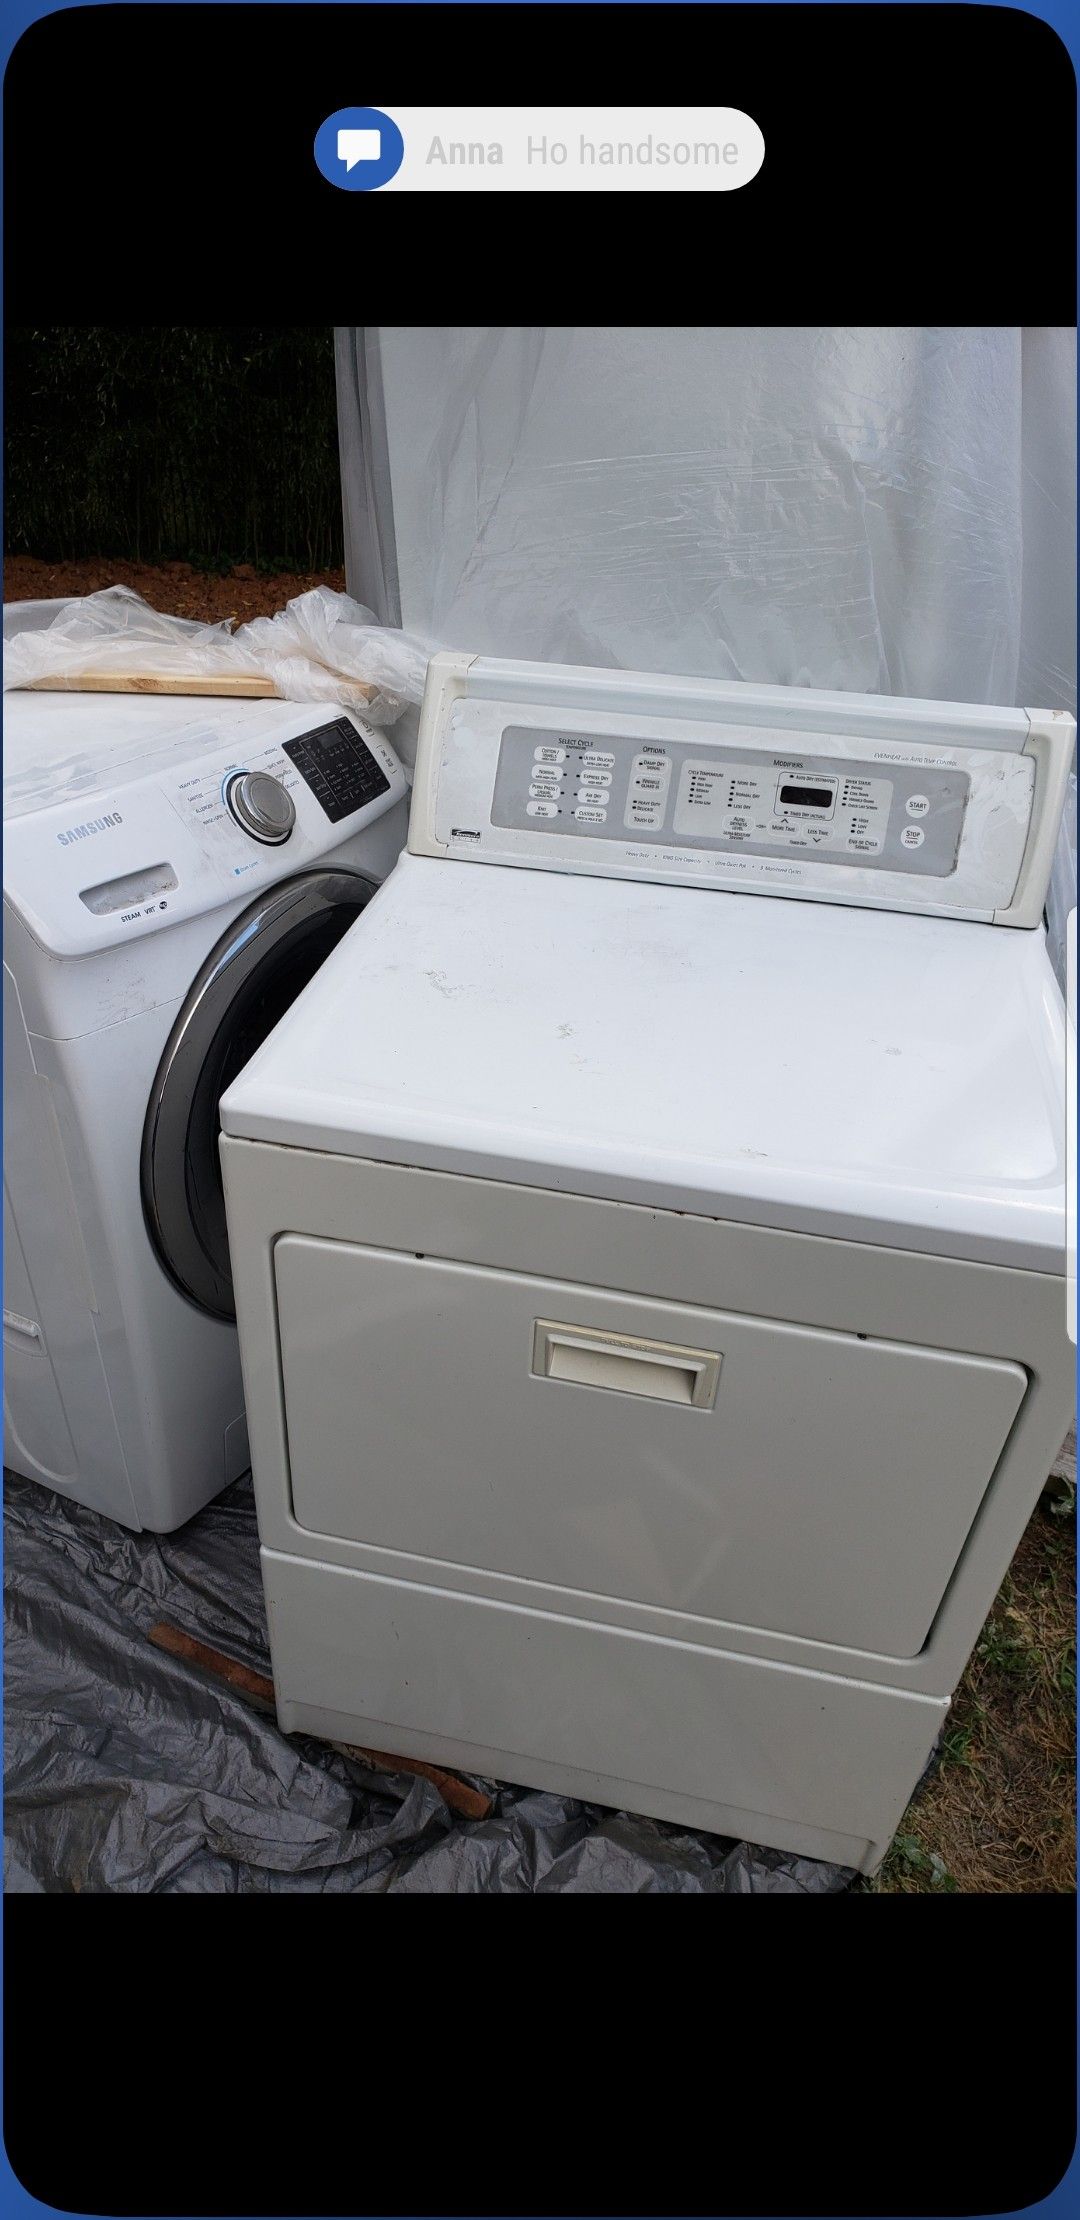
<point>205,445</point>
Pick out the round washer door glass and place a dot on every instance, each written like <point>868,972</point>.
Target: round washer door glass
<point>248,981</point>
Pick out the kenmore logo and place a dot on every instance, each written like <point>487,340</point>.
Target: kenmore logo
<point>92,825</point>
<point>460,832</point>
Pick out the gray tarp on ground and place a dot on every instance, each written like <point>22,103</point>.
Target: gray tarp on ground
<point>127,1769</point>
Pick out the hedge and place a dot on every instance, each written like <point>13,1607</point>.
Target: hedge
<point>206,445</point>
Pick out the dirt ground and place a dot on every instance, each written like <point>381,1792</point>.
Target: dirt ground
<point>997,1812</point>
<point>178,588</point>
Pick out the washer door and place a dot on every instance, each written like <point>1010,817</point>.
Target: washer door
<point>246,984</point>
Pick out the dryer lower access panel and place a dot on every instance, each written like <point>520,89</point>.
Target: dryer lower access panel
<point>744,1470</point>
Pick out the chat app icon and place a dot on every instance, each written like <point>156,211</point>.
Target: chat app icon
<point>358,146</point>
<point>359,149</point>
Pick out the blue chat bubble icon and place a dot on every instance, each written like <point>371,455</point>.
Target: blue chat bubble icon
<point>359,149</point>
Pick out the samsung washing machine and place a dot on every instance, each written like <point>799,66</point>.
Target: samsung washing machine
<point>651,1287</point>
<point>174,872</point>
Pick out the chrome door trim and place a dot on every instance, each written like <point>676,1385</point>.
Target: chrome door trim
<point>261,935</point>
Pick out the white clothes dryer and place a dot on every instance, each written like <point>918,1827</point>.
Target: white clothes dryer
<point>174,872</point>
<point>652,1299</point>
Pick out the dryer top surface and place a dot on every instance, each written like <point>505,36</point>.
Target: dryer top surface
<point>861,1074</point>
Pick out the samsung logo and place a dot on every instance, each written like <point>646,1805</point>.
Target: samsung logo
<point>92,825</point>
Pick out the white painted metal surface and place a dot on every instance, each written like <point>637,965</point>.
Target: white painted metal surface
<point>118,1391</point>
<point>517,1672</point>
<point>864,1074</point>
<point>533,1131</point>
<point>704,1511</point>
<point>705,1737</point>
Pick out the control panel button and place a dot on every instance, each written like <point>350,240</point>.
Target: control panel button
<point>260,803</point>
<point>647,793</point>
<point>549,755</point>
<point>545,793</point>
<point>917,805</point>
<point>595,778</point>
<point>598,759</point>
<point>591,816</point>
<point>542,809</point>
<point>912,836</point>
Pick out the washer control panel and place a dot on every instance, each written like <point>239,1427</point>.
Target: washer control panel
<point>225,806</point>
<point>290,788</point>
<point>339,768</point>
<point>951,808</point>
<point>795,801</point>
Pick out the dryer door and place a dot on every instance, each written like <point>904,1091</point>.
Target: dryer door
<point>729,1468</point>
<point>246,984</point>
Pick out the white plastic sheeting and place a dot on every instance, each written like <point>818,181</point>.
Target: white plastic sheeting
<point>1061,892</point>
<point>881,510</point>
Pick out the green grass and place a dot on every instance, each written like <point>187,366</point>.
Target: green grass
<point>996,1812</point>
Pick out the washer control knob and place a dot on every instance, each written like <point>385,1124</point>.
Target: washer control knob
<point>262,806</point>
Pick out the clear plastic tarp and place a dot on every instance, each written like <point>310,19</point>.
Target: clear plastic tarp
<point>322,646</point>
<point>885,510</point>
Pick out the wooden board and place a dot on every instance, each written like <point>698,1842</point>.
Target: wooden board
<point>237,688</point>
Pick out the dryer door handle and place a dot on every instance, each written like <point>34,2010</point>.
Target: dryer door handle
<point>627,1365</point>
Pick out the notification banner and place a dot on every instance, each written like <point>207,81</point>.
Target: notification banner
<point>540,150</point>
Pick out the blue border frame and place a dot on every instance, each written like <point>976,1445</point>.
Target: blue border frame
<point>1063,16</point>
<point>16,16</point>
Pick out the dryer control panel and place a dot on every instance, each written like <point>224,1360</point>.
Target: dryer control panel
<point>931,806</point>
<point>801,802</point>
